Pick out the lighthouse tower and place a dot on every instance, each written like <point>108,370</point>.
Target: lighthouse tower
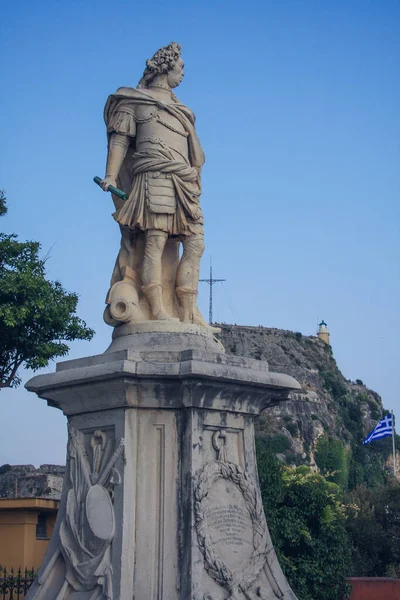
<point>323,332</point>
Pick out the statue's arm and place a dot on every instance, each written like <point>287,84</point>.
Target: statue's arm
<point>117,147</point>
<point>121,126</point>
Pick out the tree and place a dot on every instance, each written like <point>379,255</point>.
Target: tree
<point>3,207</point>
<point>331,458</point>
<point>37,316</point>
<point>307,520</point>
<point>374,529</point>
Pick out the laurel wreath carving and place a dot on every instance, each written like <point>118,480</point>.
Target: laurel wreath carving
<point>214,565</point>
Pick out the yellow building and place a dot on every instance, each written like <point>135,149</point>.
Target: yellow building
<point>26,525</point>
<point>29,501</point>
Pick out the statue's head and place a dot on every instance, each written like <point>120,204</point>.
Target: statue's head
<point>166,61</point>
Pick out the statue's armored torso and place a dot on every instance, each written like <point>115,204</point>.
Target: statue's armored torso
<point>157,127</point>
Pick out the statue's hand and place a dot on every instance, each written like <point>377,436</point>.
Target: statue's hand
<point>106,182</point>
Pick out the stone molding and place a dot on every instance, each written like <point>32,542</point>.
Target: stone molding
<point>134,375</point>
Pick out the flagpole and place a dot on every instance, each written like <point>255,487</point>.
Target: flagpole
<point>394,446</point>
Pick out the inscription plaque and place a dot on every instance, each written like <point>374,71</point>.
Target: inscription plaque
<point>229,524</point>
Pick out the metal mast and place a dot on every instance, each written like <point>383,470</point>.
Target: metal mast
<point>394,445</point>
<point>211,282</point>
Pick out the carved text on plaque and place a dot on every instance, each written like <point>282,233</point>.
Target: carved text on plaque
<point>230,523</point>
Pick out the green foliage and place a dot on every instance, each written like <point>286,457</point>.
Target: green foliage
<point>298,335</point>
<point>367,465</point>
<point>37,316</point>
<point>333,384</point>
<point>375,412</point>
<point>356,474</point>
<point>292,429</point>
<point>306,518</point>
<point>374,530</point>
<point>3,207</point>
<point>332,459</point>
<point>5,468</point>
<point>373,405</point>
<point>351,414</point>
<point>276,443</point>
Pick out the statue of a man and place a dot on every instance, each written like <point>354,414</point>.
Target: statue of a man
<point>154,155</point>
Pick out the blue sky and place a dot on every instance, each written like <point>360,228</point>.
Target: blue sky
<point>297,106</point>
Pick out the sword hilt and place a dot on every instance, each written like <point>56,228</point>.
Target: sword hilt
<point>111,189</point>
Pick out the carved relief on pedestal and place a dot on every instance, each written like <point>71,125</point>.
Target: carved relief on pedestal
<point>230,524</point>
<point>87,529</point>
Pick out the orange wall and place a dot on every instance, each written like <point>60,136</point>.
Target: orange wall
<point>371,588</point>
<point>18,544</point>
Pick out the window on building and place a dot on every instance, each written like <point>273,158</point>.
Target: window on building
<point>41,527</point>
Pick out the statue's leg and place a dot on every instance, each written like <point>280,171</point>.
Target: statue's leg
<point>124,258</point>
<point>152,273</point>
<point>123,296</point>
<point>187,278</point>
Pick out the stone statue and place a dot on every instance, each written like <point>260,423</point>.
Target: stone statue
<point>161,497</point>
<point>154,155</point>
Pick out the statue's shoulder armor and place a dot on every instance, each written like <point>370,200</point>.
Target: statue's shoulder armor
<point>145,112</point>
<point>126,91</point>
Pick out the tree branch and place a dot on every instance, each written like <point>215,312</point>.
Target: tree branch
<point>16,365</point>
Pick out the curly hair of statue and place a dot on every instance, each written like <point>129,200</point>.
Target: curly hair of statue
<point>163,61</point>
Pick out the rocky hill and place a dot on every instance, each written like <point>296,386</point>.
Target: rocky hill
<point>325,425</point>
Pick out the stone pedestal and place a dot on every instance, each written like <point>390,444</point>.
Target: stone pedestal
<point>161,498</point>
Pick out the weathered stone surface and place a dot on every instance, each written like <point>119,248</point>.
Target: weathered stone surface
<point>168,436</point>
<point>24,481</point>
<point>100,513</point>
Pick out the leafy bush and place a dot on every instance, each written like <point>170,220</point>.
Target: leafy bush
<point>306,518</point>
<point>352,419</point>
<point>374,529</point>
<point>331,458</point>
<point>292,429</point>
<point>333,384</point>
<point>276,443</point>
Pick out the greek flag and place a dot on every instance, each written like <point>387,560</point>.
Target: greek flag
<point>383,429</point>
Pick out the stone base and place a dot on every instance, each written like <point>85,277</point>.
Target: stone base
<point>165,335</point>
<point>161,498</point>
